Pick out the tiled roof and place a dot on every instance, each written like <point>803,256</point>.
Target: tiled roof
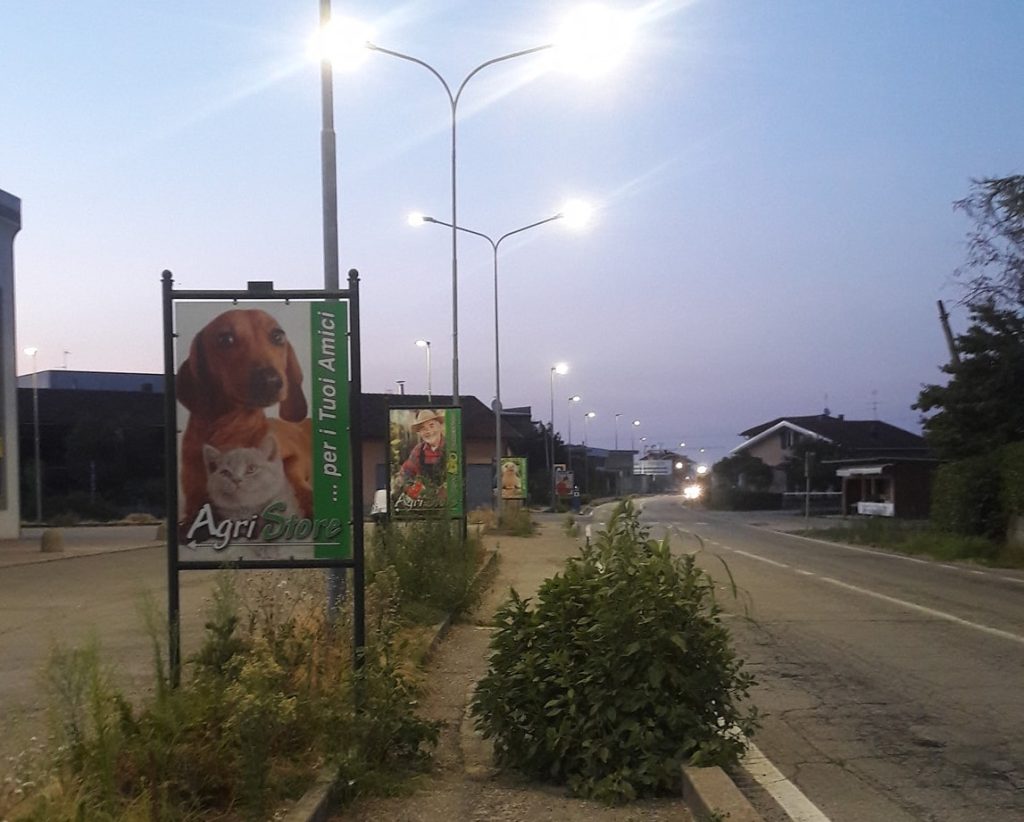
<point>852,435</point>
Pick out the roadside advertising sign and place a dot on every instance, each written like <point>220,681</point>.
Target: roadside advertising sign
<point>425,462</point>
<point>263,430</point>
<point>564,480</point>
<point>513,478</point>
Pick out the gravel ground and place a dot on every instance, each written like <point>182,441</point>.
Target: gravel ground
<point>463,786</point>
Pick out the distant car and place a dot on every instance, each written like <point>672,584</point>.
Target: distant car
<point>379,507</point>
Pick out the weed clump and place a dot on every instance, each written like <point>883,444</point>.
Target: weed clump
<point>619,672</point>
<point>269,698</point>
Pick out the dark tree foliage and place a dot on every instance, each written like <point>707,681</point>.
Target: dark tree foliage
<point>823,477</point>
<point>743,470</point>
<point>982,406</point>
<point>994,269</point>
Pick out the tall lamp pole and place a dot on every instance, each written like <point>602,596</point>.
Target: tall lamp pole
<point>561,369</point>
<point>426,344</point>
<point>453,100</point>
<point>586,452</point>
<point>572,399</point>
<point>576,213</point>
<point>32,352</point>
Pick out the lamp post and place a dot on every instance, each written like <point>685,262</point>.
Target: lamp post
<point>572,399</point>
<point>586,452</point>
<point>632,441</point>
<point>453,100</point>
<point>617,431</point>
<point>32,352</point>
<point>592,41</point>
<point>561,369</point>
<point>401,386</point>
<point>426,344</point>
<point>576,213</point>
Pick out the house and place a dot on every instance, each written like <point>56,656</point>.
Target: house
<point>879,468</point>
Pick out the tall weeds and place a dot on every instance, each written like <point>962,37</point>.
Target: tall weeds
<point>269,698</point>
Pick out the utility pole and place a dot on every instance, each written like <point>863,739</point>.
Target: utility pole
<point>954,355</point>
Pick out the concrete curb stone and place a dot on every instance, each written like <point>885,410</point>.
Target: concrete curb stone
<point>710,791</point>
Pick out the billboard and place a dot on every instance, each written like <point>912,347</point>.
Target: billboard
<point>513,478</point>
<point>565,480</point>
<point>425,462</point>
<point>263,430</point>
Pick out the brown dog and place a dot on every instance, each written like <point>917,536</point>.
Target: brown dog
<point>239,364</point>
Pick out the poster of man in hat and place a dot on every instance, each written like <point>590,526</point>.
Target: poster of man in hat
<point>425,461</point>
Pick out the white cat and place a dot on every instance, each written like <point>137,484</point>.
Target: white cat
<point>241,482</point>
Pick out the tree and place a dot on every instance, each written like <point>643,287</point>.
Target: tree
<point>982,406</point>
<point>823,477</point>
<point>994,269</point>
<point>743,471</point>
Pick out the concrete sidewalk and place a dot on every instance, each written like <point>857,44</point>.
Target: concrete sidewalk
<point>79,541</point>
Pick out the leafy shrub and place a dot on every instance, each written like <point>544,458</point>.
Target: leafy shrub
<point>515,521</point>
<point>1012,476</point>
<point>621,671</point>
<point>723,498</point>
<point>434,564</point>
<point>966,497</point>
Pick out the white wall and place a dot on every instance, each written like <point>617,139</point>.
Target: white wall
<point>10,503</point>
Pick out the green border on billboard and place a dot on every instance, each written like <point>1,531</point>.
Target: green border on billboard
<point>332,488</point>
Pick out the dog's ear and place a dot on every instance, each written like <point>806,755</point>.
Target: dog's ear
<point>191,384</point>
<point>293,407</point>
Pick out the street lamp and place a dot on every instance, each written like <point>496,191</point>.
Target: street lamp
<point>561,369</point>
<point>586,452</point>
<point>572,399</point>
<point>591,41</point>
<point>632,441</point>
<point>32,352</point>
<point>426,344</point>
<point>617,431</point>
<point>576,213</point>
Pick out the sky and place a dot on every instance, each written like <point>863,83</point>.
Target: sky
<point>773,185</point>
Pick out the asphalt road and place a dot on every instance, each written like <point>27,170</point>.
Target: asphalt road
<point>892,687</point>
<point>68,603</point>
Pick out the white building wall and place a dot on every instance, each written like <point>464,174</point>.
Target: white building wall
<point>10,503</point>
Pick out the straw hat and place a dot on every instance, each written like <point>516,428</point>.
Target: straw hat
<point>425,415</point>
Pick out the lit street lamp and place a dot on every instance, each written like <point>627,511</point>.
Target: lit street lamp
<point>426,344</point>
<point>32,352</point>
<point>572,399</point>
<point>632,441</point>
<point>561,369</point>
<point>576,214</point>
<point>592,41</point>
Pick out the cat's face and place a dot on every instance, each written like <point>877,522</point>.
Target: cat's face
<point>243,476</point>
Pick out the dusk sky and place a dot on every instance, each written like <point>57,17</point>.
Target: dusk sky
<point>773,180</point>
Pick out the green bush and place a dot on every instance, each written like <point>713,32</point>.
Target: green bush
<point>434,564</point>
<point>1012,476</point>
<point>620,671</point>
<point>966,497</point>
<point>740,499</point>
<point>515,521</point>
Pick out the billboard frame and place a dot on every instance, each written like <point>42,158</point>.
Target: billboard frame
<point>262,292</point>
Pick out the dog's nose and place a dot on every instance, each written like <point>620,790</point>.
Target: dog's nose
<point>265,384</point>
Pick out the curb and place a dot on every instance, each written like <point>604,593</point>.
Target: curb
<point>710,793</point>
<point>315,804</point>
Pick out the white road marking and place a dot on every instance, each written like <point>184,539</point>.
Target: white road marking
<point>788,796</point>
<point>903,557</point>
<point>996,632</point>
<point>760,559</point>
